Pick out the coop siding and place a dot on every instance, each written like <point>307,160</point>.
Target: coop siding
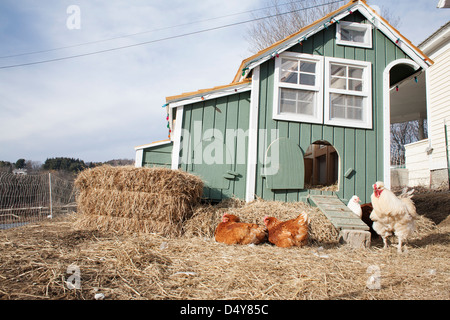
<point>243,119</point>
<point>225,115</point>
<point>159,156</point>
<point>358,149</point>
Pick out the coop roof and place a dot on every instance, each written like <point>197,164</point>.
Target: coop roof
<point>352,6</point>
<point>242,80</point>
<point>204,94</point>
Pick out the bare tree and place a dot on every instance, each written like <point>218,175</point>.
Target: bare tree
<point>405,133</point>
<point>288,16</point>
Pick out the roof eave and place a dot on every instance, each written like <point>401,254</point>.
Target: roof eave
<point>207,94</point>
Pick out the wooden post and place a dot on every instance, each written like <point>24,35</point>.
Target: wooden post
<point>50,192</point>
<point>446,152</point>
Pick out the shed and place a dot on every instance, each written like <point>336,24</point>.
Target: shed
<point>308,115</point>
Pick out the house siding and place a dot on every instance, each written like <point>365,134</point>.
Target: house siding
<point>416,157</point>
<point>439,93</point>
<point>359,149</point>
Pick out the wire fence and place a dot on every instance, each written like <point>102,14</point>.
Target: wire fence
<point>31,198</point>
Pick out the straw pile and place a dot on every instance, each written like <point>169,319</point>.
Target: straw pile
<point>207,217</point>
<point>129,199</point>
<point>35,260</point>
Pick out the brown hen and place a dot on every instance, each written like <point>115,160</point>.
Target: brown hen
<point>289,233</point>
<point>231,231</point>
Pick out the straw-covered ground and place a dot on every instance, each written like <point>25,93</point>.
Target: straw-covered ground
<point>47,260</point>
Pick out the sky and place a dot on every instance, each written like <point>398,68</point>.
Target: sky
<point>98,107</point>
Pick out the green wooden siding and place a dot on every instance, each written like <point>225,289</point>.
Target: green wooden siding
<point>158,156</point>
<point>226,119</point>
<point>358,149</point>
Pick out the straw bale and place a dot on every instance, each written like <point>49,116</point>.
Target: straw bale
<point>139,205</point>
<point>130,199</point>
<point>152,180</point>
<point>128,225</point>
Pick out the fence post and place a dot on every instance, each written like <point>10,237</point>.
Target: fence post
<point>50,192</point>
<point>446,152</point>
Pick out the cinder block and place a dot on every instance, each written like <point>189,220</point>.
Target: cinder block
<point>355,238</point>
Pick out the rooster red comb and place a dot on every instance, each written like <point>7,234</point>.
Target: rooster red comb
<point>378,185</point>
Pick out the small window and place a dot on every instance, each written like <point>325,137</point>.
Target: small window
<point>348,90</point>
<point>298,90</point>
<point>354,34</point>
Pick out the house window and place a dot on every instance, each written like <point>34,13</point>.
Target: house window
<point>354,34</point>
<point>298,88</point>
<point>348,99</point>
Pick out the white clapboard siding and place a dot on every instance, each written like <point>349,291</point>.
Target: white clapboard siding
<point>417,163</point>
<point>439,91</point>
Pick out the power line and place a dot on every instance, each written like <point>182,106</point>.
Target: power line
<point>161,39</point>
<point>142,32</point>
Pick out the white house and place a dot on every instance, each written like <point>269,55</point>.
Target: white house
<point>427,160</point>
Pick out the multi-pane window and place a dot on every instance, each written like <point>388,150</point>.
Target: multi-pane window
<point>313,89</point>
<point>299,88</point>
<point>347,92</point>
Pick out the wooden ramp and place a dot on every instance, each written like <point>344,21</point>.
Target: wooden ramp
<point>338,213</point>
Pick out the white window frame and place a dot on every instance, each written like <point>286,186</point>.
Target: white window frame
<point>367,28</point>
<point>318,88</point>
<point>366,93</point>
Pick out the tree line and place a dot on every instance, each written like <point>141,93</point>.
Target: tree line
<point>70,165</point>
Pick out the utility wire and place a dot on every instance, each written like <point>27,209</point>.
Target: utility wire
<point>143,32</point>
<point>161,39</point>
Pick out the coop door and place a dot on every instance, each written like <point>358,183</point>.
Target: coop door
<point>284,166</point>
<point>212,162</point>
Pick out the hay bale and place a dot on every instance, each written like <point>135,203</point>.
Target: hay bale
<point>127,225</point>
<point>129,199</point>
<point>151,180</point>
<point>132,204</point>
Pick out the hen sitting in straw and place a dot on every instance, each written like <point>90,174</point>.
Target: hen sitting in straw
<point>231,231</point>
<point>289,233</point>
<point>392,214</point>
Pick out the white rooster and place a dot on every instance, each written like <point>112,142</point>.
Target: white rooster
<point>392,214</point>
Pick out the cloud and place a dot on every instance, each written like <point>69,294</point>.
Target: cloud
<point>99,107</point>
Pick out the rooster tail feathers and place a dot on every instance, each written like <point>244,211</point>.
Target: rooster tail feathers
<point>411,208</point>
<point>406,194</point>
